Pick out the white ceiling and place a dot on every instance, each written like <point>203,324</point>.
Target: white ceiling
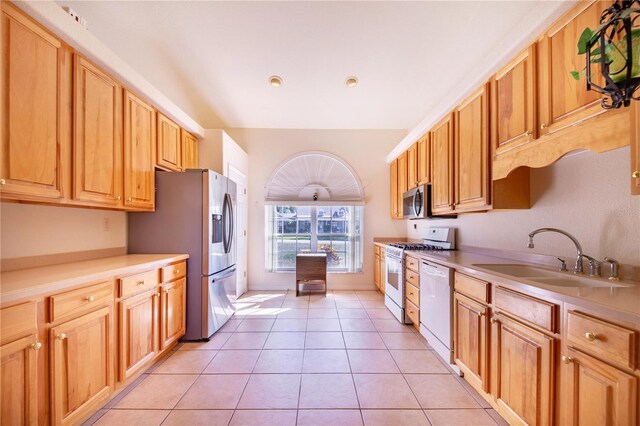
<point>213,59</point>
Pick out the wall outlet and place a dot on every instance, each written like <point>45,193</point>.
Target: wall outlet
<point>415,226</point>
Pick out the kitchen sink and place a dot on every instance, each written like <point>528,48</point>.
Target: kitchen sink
<point>520,271</point>
<point>577,282</point>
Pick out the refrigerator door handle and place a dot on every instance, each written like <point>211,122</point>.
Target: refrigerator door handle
<point>225,222</point>
<point>233,222</point>
<point>228,274</point>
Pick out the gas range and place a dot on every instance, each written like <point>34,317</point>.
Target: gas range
<point>437,239</point>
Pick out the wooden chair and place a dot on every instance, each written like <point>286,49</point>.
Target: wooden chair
<point>311,270</point>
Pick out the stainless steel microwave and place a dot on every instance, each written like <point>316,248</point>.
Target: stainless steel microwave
<point>416,204</point>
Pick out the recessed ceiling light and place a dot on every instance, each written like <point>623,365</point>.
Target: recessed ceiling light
<point>351,81</point>
<point>275,81</point>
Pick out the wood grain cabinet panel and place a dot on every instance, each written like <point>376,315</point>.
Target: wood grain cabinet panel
<point>635,148</point>
<point>442,166</point>
<point>523,373</point>
<point>472,180</point>
<point>564,101</point>
<point>471,347</point>
<point>36,79</point>
<point>597,393</point>
<point>394,195</point>
<point>139,153</point>
<point>189,151</point>
<point>376,270</point>
<point>173,314</point>
<point>81,366</point>
<point>424,159</point>
<point>513,103</point>
<point>402,179</point>
<point>19,381</point>
<point>97,156</point>
<point>169,144</point>
<point>412,166</point>
<point>139,332</point>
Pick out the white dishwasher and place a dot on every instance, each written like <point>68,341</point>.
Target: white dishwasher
<point>436,309</point>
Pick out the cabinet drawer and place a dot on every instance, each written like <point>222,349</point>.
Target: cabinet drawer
<point>472,287</point>
<point>613,343</point>
<point>17,321</point>
<point>413,264</point>
<point>412,293</point>
<point>80,300</point>
<point>412,277</point>
<point>174,272</point>
<point>536,311</point>
<point>138,283</point>
<point>413,312</point>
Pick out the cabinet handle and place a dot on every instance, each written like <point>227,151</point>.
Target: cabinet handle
<point>2,181</point>
<point>143,282</point>
<point>591,336</point>
<point>90,299</point>
<point>494,320</point>
<point>36,346</point>
<point>634,175</point>
<point>567,359</point>
<point>544,126</point>
<point>61,336</point>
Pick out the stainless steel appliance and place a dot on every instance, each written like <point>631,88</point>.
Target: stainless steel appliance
<point>195,215</point>
<point>416,204</point>
<point>437,239</point>
<point>436,313</point>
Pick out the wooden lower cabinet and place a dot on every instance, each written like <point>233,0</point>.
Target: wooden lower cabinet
<point>173,314</point>
<point>598,393</point>
<point>471,347</point>
<point>139,332</point>
<point>19,381</point>
<point>376,270</point>
<point>523,378</point>
<point>81,366</point>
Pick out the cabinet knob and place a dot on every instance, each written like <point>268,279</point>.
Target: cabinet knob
<point>90,298</point>
<point>544,126</point>
<point>118,198</point>
<point>567,359</point>
<point>61,336</point>
<point>2,181</point>
<point>36,346</point>
<point>634,175</point>
<point>143,282</point>
<point>480,314</point>
<point>591,336</point>
<point>177,271</point>
<point>129,200</point>
<point>528,133</point>
<point>494,320</point>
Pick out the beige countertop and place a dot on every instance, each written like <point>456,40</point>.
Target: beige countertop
<point>621,299</point>
<point>35,282</point>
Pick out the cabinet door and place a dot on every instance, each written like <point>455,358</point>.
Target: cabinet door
<point>442,166</point>
<point>36,78</point>
<point>189,150</point>
<point>513,103</point>
<point>635,148</point>
<point>97,153</point>
<point>169,146</point>
<point>597,393</point>
<point>523,373</point>
<point>402,180</point>
<point>424,153</point>
<point>139,332</point>
<point>470,340</point>
<point>471,149</point>
<point>564,101</point>
<point>139,153</point>
<point>412,166</point>
<point>376,270</point>
<point>393,190</point>
<point>173,311</point>
<point>81,366</point>
<point>19,381</point>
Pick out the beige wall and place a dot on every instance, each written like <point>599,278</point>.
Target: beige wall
<point>364,150</point>
<point>33,230</point>
<point>585,194</point>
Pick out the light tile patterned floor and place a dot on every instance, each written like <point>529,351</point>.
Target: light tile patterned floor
<point>311,360</point>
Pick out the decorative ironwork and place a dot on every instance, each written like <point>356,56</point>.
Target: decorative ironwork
<point>615,46</point>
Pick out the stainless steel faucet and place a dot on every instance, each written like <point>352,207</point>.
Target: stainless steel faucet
<point>613,272</point>
<point>578,268</point>
<point>594,266</point>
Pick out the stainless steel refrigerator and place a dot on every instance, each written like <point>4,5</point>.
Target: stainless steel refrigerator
<point>195,214</point>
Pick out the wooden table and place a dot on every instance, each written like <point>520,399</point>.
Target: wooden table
<point>311,269</point>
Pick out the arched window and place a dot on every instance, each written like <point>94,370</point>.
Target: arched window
<point>314,202</point>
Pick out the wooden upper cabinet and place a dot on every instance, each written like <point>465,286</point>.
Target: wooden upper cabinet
<point>564,101</point>
<point>424,160</point>
<point>36,79</point>
<point>442,166</point>
<point>597,393</point>
<point>412,166</point>
<point>173,314</point>
<point>523,379</point>
<point>139,153</point>
<point>169,145</point>
<point>97,156</point>
<point>393,190</point>
<point>189,151</point>
<point>513,103</point>
<point>472,180</point>
<point>402,179</point>
<point>19,381</point>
